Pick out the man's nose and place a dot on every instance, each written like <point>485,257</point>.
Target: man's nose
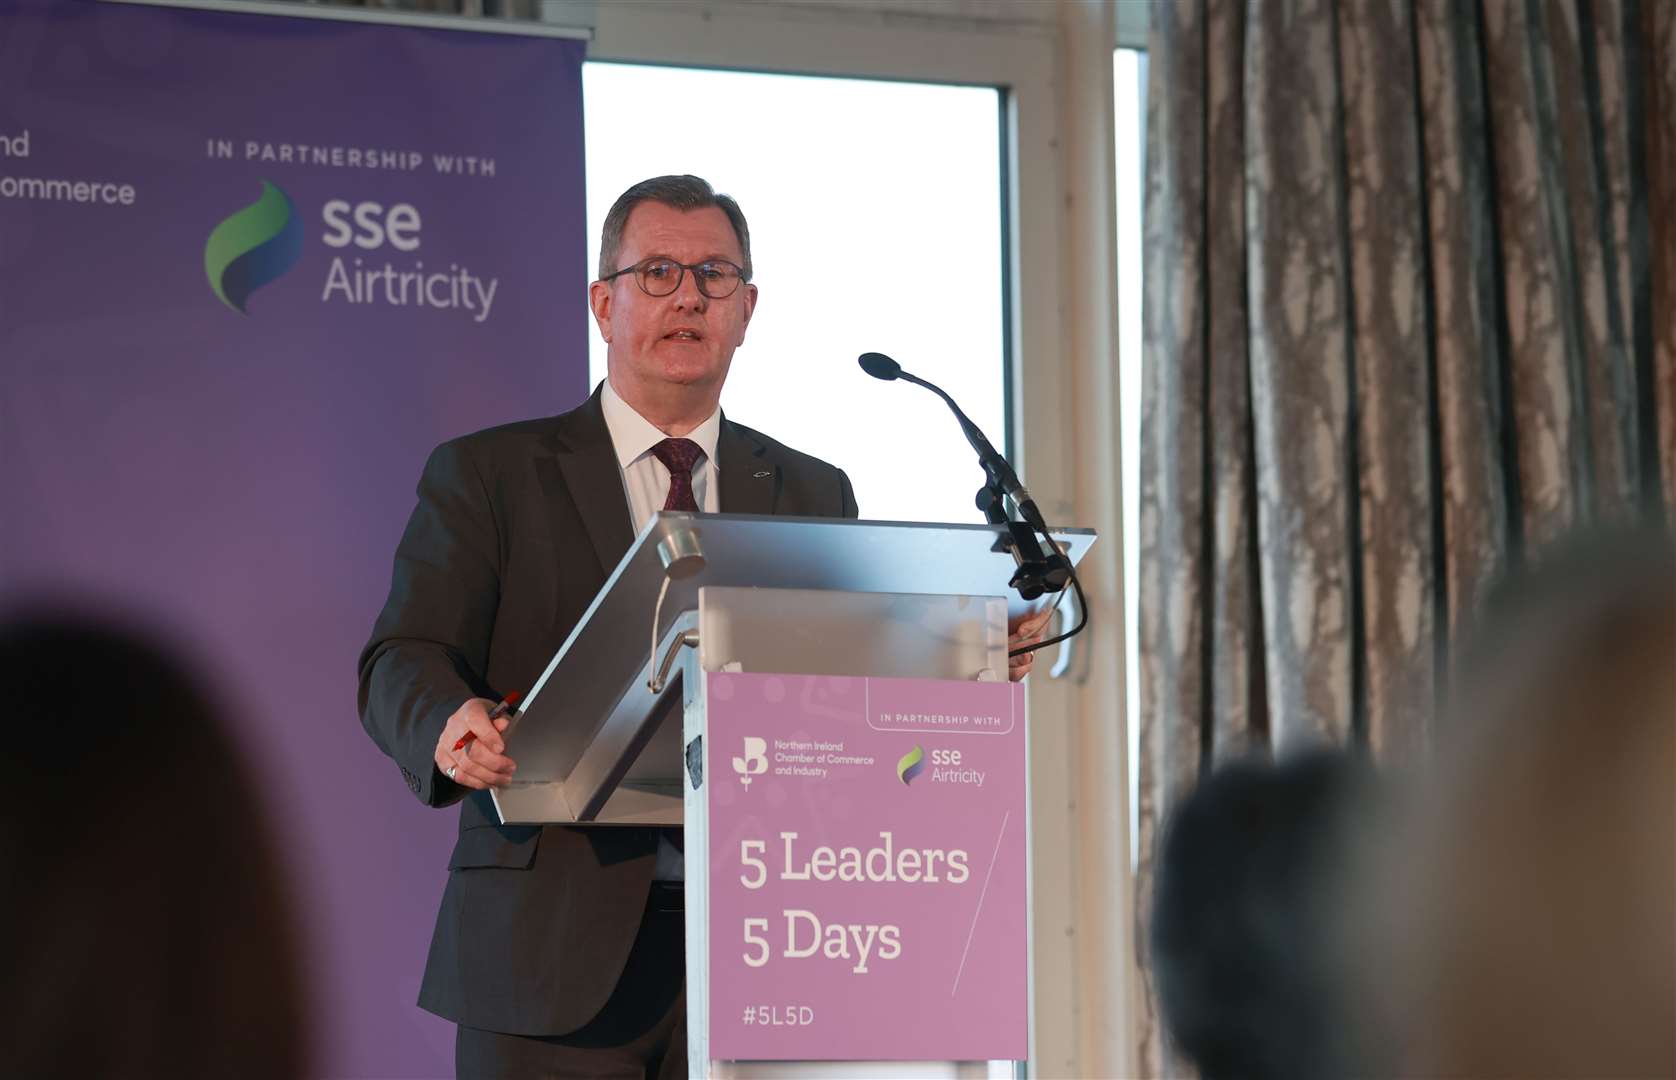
<point>687,294</point>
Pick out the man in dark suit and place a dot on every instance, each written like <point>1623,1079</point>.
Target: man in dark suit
<point>558,950</point>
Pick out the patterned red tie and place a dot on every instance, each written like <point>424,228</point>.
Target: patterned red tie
<point>679,456</point>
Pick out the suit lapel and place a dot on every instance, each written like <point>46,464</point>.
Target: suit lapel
<point>595,481</point>
<point>750,479</point>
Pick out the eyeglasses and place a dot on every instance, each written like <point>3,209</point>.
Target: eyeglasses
<point>717,279</point>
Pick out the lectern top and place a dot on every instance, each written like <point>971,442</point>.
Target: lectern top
<point>608,649</point>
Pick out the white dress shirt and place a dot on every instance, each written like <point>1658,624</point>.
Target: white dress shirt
<point>645,478</point>
<point>646,483</point>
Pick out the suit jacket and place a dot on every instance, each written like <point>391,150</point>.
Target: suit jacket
<point>516,530</point>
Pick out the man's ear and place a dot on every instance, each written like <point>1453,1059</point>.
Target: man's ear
<point>599,300</point>
<point>750,307</point>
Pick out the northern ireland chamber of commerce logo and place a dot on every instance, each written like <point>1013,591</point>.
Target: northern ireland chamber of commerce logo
<point>754,762</point>
<point>911,765</point>
<point>253,247</point>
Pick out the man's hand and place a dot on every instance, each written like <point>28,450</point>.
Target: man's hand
<point>1024,630</point>
<point>481,763</point>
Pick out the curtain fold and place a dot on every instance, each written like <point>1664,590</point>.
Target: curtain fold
<point>1409,320</point>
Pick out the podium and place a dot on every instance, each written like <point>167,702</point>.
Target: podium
<point>823,704</point>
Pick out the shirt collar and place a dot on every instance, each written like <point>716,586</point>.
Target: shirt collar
<point>632,435</point>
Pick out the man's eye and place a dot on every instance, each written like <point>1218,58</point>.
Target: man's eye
<point>716,271</point>
<point>659,271</point>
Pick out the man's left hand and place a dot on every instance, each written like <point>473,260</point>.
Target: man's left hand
<point>1025,630</point>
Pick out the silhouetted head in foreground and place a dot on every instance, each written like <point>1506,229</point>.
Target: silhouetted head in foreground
<point>1246,915</point>
<point>149,932</point>
<point>1532,907</point>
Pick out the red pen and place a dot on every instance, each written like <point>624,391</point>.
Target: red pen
<point>499,711</point>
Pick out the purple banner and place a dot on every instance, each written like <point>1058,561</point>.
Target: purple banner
<point>868,876</point>
<point>252,268</point>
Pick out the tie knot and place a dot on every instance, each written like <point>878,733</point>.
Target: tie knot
<point>678,455</point>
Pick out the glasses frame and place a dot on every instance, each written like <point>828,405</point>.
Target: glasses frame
<point>680,277</point>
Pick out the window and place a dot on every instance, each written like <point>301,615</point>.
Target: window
<point>876,225</point>
<point>1129,88</point>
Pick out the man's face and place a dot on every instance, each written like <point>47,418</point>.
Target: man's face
<point>685,338</point>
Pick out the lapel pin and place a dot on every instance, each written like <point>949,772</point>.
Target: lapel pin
<point>763,473</point>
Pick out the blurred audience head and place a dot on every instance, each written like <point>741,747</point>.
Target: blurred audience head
<point>1245,918</point>
<point>149,929</point>
<point>1529,911</point>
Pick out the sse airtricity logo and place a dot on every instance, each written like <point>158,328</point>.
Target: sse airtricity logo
<point>253,247</point>
<point>755,761</point>
<point>911,765</point>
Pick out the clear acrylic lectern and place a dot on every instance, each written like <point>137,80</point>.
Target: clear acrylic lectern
<point>613,731</point>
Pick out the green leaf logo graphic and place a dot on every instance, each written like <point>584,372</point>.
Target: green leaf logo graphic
<point>911,765</point>
<point>253,247</point>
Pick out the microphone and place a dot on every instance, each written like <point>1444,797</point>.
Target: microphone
<point>1035,573</point>
<point>883,367</point>
<point>880,366</point>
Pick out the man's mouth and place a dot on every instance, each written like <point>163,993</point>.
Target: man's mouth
<point>684,333</point>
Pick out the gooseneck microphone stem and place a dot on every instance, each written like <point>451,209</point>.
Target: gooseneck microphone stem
<point>1035,572</point>
<point>883,367</point>
<point>994,464</point>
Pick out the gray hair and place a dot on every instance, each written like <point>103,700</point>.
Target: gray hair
<point>685,193</point>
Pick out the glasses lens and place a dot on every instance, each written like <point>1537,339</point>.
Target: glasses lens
<point>659,277</point>
<point>717,280</point>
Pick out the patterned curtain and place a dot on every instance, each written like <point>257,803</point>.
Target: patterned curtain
<point>1410,317</point>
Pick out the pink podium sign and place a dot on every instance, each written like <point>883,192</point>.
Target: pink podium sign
<point>867,874</point>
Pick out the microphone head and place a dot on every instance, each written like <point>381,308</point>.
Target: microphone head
<point>880,366</point>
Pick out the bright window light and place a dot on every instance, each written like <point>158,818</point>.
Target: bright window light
<point>1129,87</point>
<point>875,214</point>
